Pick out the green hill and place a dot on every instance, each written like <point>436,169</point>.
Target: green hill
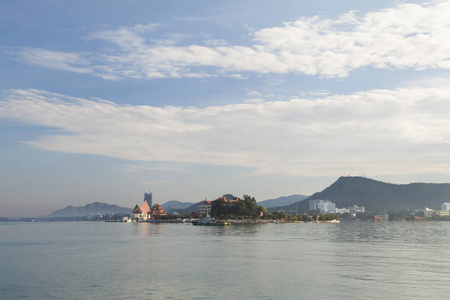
<point>377,196</point>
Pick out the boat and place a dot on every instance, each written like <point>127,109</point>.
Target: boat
<point>207,221</point>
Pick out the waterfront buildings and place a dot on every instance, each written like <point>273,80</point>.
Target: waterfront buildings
<point>445,211</point>
<point>328,207</point>
<point>441,213</point>
<point>384,217</point>
<point>147,212</point>
<point>205,207</point>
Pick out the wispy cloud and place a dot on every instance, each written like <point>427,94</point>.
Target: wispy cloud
<point>160,167</point>
<point>126,38</point>
<point>379,131</point>
<point>74,62</point>
<point>408,36</point>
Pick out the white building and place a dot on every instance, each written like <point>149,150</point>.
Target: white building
<point>205,208</point>
<point>328,207</point>
<point>442,213</point>
<point>342,211</point>
<point>356,209</point>
<point>324,206</point>
<point>445,211</point>
<point>445,206</point>
<point>141,213</point>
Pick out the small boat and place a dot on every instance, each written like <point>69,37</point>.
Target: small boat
<point>207,221</point>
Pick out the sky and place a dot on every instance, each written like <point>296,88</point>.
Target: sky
<point>105,100</point>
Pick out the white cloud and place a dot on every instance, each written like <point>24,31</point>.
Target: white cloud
<point>407,36</point>
<point>74,62</point>
<point>380,131</point>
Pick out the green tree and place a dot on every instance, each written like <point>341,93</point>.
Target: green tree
<point>262,211</point>
<point>240,208</point>
<point>218,207</point>
<point>251,205</point>
<point>328,217</point>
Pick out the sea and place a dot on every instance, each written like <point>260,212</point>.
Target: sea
<point>348,260</point>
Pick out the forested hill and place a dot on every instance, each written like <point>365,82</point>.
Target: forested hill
<point>377,196</point>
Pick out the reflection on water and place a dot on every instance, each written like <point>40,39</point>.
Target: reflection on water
<point>360,260</point>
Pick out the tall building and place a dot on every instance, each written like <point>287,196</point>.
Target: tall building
<point>324,206</point>
<point>148,197</point>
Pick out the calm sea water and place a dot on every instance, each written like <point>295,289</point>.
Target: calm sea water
<point>84,260</point>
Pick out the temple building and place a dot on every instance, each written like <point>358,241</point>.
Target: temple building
<point>156,212</point>
<point>141,213</point>
<point>144,212</point>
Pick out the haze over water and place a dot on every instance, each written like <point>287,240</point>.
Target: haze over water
<point>96,260</point>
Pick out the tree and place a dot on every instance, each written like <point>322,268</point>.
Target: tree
<point>292,218</point>
<point>328,217</point>
<point>262,211</point>
<point>251,205</point>
<point>303,218</point>
<point>225,208</point>
<point>240,208</point>
<point>218,207</point>
<point>277,215</point>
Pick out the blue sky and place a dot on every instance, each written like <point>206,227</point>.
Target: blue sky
<point>105,100</point>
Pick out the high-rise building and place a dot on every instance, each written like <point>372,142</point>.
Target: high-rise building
<point>149,198</point>
<point>324,206</point>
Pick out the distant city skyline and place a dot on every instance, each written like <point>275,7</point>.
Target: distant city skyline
<point>106,100</point>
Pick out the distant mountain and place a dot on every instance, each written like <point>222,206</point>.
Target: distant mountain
<point>378,196</point>
<point>190,209</point>
<point>282,201</point>
<point>92,208</point>
<point>174,206</point>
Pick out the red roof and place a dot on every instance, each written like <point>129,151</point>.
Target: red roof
<point>145,208</point>
<point>157,210</point>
